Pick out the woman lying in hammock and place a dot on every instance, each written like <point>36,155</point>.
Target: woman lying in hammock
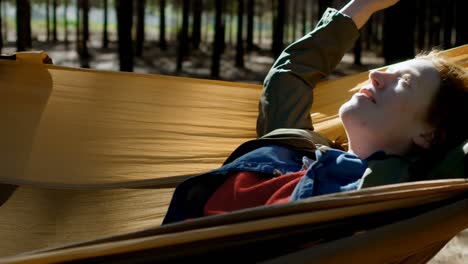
<point>407,111</point>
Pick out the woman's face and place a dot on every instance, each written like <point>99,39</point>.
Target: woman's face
<point>390,108</point>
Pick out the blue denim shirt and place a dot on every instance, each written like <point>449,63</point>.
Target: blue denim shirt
<point>329,171</point>
<point>332,170</point>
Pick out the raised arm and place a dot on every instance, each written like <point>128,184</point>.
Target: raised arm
<point>361,10</point>
<point>287,90</point>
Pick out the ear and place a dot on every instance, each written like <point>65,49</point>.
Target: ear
<point>424,139</point>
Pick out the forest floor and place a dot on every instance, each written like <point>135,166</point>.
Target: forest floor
<point>197,64</point>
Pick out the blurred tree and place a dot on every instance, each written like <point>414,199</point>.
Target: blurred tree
<point>323,5</point>
<point>218,39</point>
<point>85,21</point>
<point>287,22</point>
<point>197,19</point>
<point>435,15</point>
<point>54,21</point>
<point>5,22</point>
<point>23,25</point>
<point>124,27</point>
<point>460,23</point>
<point>231,10</point>
<point>78,28</point>
<point>278,30</point>
<point>183,35</point>
<point>65,22</point>
<point>447,22</point>
<point>178,20</point>
<point>422,19</point>
<point>206,22</point>
<point>140,36</point>
<point>47,17</point>
<point>304,17</point>
<point>399,26</point>
<point>105,33</point>
<point>250,24</point>
<point>357,51</point>
<point>368,32</point>
<point>1,27</point>
<point>260,10</point>
<point>84,53</point>
<point>223,29</point>
<point>240,40</point>
<point>294,17</point>
<point>162,24</point>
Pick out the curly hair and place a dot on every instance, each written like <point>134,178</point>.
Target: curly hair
<point>449,104</point>
<point>446,113</point>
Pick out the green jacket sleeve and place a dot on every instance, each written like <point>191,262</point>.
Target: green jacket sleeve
<point>287,94</point>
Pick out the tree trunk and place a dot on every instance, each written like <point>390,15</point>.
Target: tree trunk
<point>140,37</point>
<point>260,25</point>
<point>278,31</point>
<point>23,25</point>
<point>273,25</point>
<point>250,24</point>
<point>218,40</point>
<point>447,22</point>
<point>124,28</point>
<point>357,51</point>
<point>28,25</point>
<point>435,25</point>
<point>5,24</point>
<point>85,24</point>
<point>196,30</point>
<point>54,21</point>
<point>304,17</point>
<point>65,22</point>
<point>294,20</point>
<point>369,33</point>
<point>178,21</point>
<point>323,5</point>
<point>85,37</point>
<point>460,23</point>
<point>105,33</point>
<point>205,23</point>
<point>183,35</point>
<point>47,21</point>
<point>78,27</point>
<point>422,21</point>
<point>398,41</point>
<point>287,23</point>
<point>162,25</point>
<point>240,39</point>
<point>1,27</point>
<point>230,22</point>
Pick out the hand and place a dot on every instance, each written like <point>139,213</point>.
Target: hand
<point>361,10</point>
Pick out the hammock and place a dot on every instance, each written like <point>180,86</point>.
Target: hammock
<point>105,175</point>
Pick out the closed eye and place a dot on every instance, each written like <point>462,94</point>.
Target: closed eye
<point>405,80</point>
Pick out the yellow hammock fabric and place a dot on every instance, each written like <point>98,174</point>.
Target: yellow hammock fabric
<point>72,138</point>
<point>82,129</point>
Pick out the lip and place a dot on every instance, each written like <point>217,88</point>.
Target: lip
<point>368,93</point>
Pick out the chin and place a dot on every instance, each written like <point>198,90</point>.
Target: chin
<point>353,119</point>
<point>347,112</point>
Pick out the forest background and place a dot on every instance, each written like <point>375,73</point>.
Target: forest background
<point>235,40</point>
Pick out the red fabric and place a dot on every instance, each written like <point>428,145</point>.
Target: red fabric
<point>248,189</point>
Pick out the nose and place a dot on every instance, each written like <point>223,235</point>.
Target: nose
<point>380,78</point>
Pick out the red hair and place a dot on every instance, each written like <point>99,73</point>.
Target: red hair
<point>449,104</point>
